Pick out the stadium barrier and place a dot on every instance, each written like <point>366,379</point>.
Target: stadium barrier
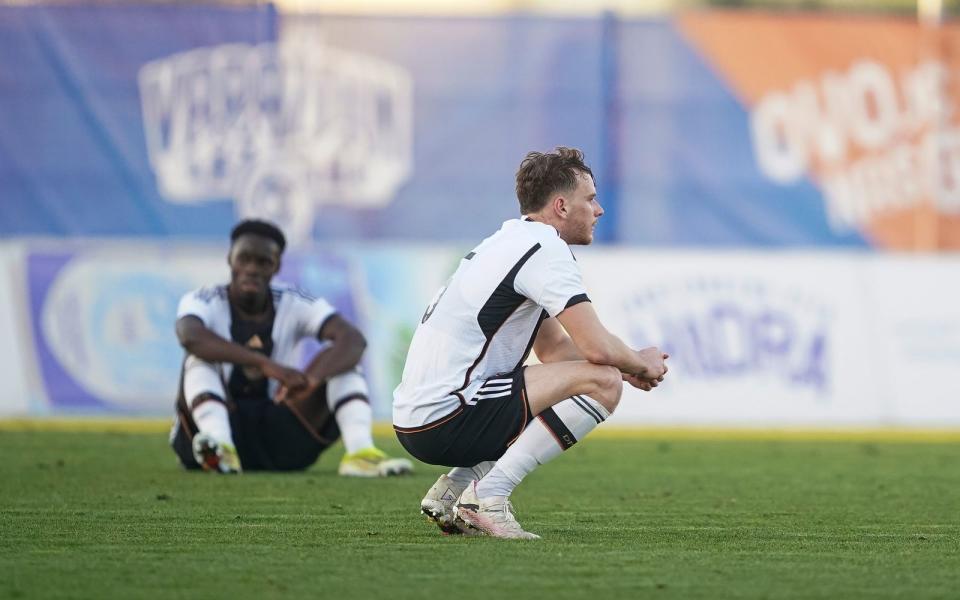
<point>776,339</point>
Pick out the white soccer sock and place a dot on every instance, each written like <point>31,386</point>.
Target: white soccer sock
<point>462,476</point>
<point>553,431</point>
<point>355,420</point>
<point>211,417</point>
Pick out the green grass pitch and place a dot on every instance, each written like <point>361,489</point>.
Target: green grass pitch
<point>94,515</point>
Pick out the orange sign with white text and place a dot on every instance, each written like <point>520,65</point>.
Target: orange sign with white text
<point>866,108</point>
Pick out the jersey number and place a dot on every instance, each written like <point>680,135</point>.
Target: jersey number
<point>433,305</point>
<point>443,290</point>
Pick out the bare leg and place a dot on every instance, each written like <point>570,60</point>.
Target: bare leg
<point>569,399</point>
<point>551,383</point>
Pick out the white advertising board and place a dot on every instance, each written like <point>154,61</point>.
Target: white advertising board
<point>777,339</point>
<point>15,397</point>
<point>914,303</point>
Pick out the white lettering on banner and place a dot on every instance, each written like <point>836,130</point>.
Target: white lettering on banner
<point>877,142</point>
<point>280,128</point>
<point>713,329</point>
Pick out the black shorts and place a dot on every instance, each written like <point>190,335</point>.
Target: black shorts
<point>269,436</point>
<point>481,429</point>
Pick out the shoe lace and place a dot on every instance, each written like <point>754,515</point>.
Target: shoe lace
<point>506,510</point>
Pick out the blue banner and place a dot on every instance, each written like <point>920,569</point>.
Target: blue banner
<point>73,154</point>
<point>175,121</point>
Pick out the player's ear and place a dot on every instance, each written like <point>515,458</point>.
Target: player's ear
<point>560,206</point>
<point>279,264</point>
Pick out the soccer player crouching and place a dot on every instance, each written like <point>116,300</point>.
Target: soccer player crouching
<point>241,404</point>
<point>467,401</point>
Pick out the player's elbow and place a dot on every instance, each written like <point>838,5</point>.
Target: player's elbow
<point>357,341</point>
<point>190,334</point>
<point>355,344</point>
<point>190,344</point>
<point>186,338</point>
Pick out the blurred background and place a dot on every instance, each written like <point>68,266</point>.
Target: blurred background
<point>781,183</point>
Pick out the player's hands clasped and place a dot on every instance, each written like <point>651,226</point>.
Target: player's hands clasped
<point>291,380</point>
<point>300,393</point>
<point>653,369</point>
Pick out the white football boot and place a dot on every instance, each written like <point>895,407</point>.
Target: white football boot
<point>215,456</point>
<point>439,504</point>
<point>493,516</point>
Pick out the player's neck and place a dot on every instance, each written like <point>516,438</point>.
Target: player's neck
<point>546,220</point>
<point>251,308</point>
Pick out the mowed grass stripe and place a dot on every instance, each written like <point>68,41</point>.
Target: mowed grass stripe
<point>888,434</point>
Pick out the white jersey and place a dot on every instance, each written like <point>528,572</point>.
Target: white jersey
<point>297,316</point>
<point>484,321</point>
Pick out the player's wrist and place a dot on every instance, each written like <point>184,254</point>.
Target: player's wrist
<point>316,375</point>
<point>262,362</point>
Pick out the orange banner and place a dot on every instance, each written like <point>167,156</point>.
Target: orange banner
<point>864,107</point>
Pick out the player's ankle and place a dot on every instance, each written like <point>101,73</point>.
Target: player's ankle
<point>486,493</point>
<point>496,483</point>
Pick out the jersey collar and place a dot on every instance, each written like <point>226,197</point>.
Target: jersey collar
<point>529,220</point>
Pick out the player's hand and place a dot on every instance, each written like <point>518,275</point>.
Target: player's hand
<point>641,383</point>
<point>298,394</point>
<point>653,365</point>
<point>291,380</point>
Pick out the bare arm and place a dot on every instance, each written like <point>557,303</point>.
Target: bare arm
<point>344,352</point>
<point>204,343</point>
<point>553,344</point>
<point>601,347</point>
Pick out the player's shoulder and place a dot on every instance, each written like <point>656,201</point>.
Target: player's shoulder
<point>285,291</point>
<point>208,294</point>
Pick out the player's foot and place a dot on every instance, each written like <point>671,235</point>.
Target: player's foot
<point>493,516</point>
<point>372,462</point>
<point>439,505</point>
<point>215,456</point>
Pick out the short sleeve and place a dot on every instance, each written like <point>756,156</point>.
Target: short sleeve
<point>199,303</point>
<point>311,313</point>
<point>552,279</point>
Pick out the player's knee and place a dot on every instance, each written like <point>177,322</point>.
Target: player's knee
<point>608,387</point>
